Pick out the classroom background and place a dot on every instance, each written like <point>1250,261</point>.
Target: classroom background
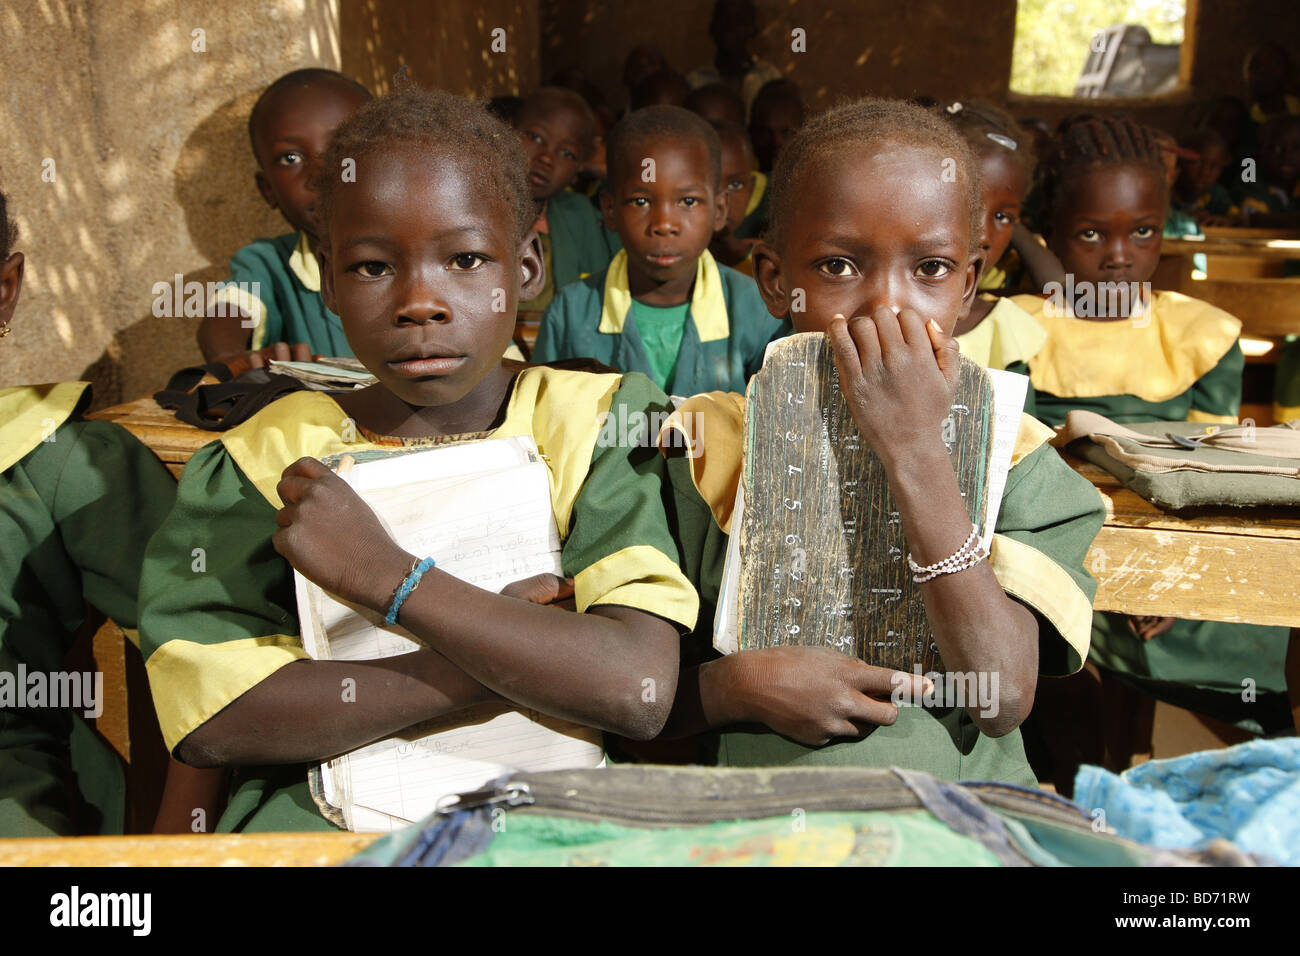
<point>152,175</point>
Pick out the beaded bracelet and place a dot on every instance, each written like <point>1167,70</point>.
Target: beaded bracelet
<point>967,556</point>
<point>404,589</point>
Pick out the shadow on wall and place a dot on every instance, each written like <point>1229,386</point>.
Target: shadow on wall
<point>479,49</point>
<point>213,179</point>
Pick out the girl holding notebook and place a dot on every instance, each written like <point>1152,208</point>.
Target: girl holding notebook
<point>424,257</point>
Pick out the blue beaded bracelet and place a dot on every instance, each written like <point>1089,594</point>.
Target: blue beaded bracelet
<point>405,588</point>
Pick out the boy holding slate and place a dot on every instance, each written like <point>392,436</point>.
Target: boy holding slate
<point>882,249</point>
<point>415,255</point>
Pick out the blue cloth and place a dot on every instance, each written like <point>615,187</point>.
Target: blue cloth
<point>1248,794</point>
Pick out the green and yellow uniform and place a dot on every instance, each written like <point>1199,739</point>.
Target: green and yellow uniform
<point>78,502</point>
<point>286,305</point>
<point>209,636</point>
<point>1179,362</point>
<point>1184,364</point>
<point>1007,339</point>
<point>1048,519</point>
<point>723,336</point>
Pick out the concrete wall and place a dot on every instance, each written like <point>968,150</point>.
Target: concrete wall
<point>152,169</point>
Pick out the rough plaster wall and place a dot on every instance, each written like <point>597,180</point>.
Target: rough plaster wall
<point>152,165</point>
<point>447,45</point>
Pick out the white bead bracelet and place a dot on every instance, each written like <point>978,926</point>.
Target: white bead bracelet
<point>967,556</point>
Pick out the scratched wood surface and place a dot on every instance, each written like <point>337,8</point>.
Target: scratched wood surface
<point>272,849</point>
<point>822,545</point>
<point>1210,564</point>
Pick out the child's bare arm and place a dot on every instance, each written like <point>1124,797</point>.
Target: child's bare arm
<point>192,799</point>
<point>613,668</point>
<point>899,394</point>
<point>224,339</point>
<point>311,710</point>
<point>1040,262</point>
<point>810,694</point>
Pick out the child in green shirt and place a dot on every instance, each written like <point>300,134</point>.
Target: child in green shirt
<point>272,307</point>
<point>664,306</point>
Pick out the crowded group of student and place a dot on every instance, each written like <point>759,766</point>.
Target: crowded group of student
<point>656,251</point>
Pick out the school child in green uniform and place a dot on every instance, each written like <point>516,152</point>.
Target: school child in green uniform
<point>558,128</point>
<point>289,126</point>
<point>664,306</point>
<point>415,255</point>
<point>996,332</point>
<point>78,501</point>
<point>886,253</point>
<point>739,181</point>
<point>1116,348</point>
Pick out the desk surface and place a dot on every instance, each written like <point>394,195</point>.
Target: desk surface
<point>226,849</point>
<point>1215,564</point>
<point>1255,248</point>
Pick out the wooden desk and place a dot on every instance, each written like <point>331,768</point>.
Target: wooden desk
<point>226,849</point>
<point>1268,249</point>
<point>1205,564</point>
<point>170,439</point>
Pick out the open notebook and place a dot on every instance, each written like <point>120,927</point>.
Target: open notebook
<point>483,511</point>
<point>816,552</point>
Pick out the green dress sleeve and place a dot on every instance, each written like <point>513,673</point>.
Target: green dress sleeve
<point>1049,517</point>
<point>1218,391</point>
<point>217,606</point>
<point>620,550</point>
<point>553,330</point>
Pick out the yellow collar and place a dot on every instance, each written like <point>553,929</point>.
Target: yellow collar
<point>31,413</point>
<point>1292,108</point>
<point>542,404</point>
<point>756,197</point>
<point>708,305</point>
<point>1008,334</point>
<point>303,264</point>
<point>1156,360</point>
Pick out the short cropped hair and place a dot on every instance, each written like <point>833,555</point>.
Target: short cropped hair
<point>869,122</point>
<point>298,79</point>
<point>558,96</point>
<point>654,123</point>
<point>486,150</point>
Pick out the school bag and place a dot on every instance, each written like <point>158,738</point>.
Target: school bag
<point>639,815</point>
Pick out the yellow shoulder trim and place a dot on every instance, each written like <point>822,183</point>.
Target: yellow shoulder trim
<point>191,682</point>
<point>1032,433</point>
<point>299,425</point>
<point>708,304</point>
<point>639,577</point>
<point>756,197</point>
<point>1007,334</point>
<point>712,425</point>
<point>29,414</point>
<point>564,412</point>
<point>1157,359</point>
<point>303,263</point>
<point>1040,582</point>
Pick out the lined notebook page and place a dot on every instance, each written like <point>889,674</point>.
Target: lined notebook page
<point>483,511</point>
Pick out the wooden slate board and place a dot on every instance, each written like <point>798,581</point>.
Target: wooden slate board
<point>821,542</point>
